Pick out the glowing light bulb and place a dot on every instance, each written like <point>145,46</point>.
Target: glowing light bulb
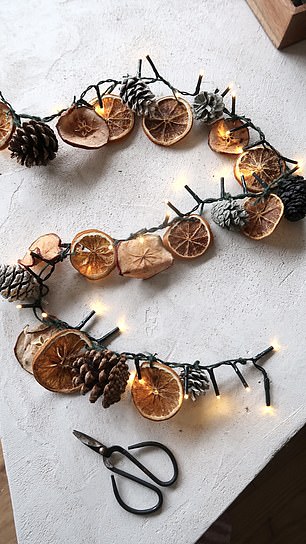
<point>19,306</point>
<point>248,389</point>
<point>218,397</point>
<point>142,382</point>
<point>201,72</point>
<point>132,376</point>
<point>276,344</point>
<point>268,410</point>
<point>186,396</point>
<point>122,324</point>
<point>141,239</point>
<point>44,315</point>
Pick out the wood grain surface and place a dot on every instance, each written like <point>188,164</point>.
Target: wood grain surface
<point>7,528</point>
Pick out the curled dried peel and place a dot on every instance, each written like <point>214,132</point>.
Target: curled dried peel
<point>159,393</point>
<point>52,364</point>
<point>171,121</point>
<point>263,217</point>
<point>48,247</point>
<point>188,238</point>
<point>29,342</point>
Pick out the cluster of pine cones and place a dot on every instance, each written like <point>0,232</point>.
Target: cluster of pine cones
<point>102,373</point>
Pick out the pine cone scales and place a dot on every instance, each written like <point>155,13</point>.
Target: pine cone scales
<point>208,107</point>
<point>16,283</point>
<point>198,382</point>
<point>229,213</point>
<point>292,192</point>
<point>101,372</point>
<point>137,95</point>
<point>34,143</point>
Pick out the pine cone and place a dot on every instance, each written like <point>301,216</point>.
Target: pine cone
<point>34,143</point>
<point>198,382</point>
<point>93,372</point>
<point>292,192</point>
<point>208,107</point>
<point>229,213</point>
<point>117,382</point>
<point>137,95</point>
<point>16,283</point>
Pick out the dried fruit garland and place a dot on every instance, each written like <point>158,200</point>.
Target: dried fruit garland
<point>65,360</point>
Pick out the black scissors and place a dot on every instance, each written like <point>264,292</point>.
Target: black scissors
<point>107,453</point>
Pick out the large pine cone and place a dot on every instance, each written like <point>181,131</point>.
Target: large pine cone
<point>292,192</point>
<point>138,97</point>
<point>16,283</point>
<point>95,371</point>
<point>229,213</point>
<point>34,143</point>
<point>208,107</point>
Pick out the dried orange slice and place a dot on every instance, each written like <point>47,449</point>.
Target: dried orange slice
<point>188,238</point>
<point>264,216</point>
<point>171,121</point>
<point>6,125</point>
<point>52,363</point>
<point>119,118</point>
<point>221,140</point>
<point>93,254</point>
<point>159,393</point>
<point>264,162</point>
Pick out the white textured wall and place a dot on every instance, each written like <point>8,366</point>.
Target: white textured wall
<point>232,302</point>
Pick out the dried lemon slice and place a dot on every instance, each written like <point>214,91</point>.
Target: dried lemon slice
<point>159,393</point>
<point>263,217</point>
<point>261,160</point>
<point>52,364</point>
<point>188,238</point>
<point>119,118</point>
<point>93,254</point>
<point>170,122</point>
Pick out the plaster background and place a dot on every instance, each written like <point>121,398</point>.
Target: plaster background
<point>233,302</point>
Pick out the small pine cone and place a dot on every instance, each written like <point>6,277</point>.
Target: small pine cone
<point>34,143</point>
<point>198,382</point>
<point>137,96</point>
<point>91,371</point>
<point>16,283</point>
<point>292,192</point>
<point>229,213</point>
<point>117,382</point>
<point>208,107</point>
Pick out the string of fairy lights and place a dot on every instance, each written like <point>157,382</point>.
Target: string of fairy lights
<point>273,189</point>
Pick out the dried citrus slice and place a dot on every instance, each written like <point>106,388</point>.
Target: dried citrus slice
<point>6,124</point>
<point>159,393</point>
<point>119,118</point>
<point>188,238</point>
<point>29,342</point>
<point>82,127</point>
<point>264,162</point>
<point>264,216</point>
<point>93,254</point>
<point>53,362</point>
<point>221,140</point>
<point>171,121</point>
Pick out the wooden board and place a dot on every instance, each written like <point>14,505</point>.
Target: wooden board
<point>284,23</point>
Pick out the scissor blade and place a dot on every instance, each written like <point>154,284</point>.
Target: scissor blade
<point>89,441</point>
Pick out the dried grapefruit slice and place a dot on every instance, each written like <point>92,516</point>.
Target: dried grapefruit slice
<point>6,125</point>
<point>119,118</point>
<point>93,254</point>
<point>52,364</point>
<point>159,393</point>
<point>264,216</point>
<point>170,122</point>
<point>188,238</point>
<point>261,160</point>
<point>221,140</point>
